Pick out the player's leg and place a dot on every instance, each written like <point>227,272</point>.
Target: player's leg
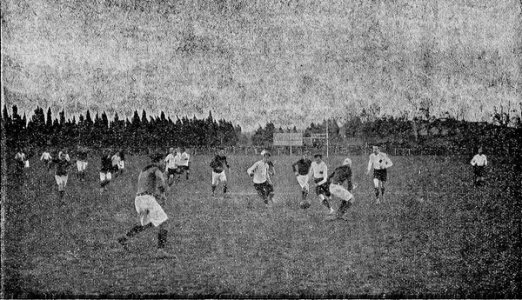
<point>223,178</point>
<point>346,197</point>
<point>260,191</point>
<point>215,182</point>
<point>270,192</point>
<point>187,172</point>
<point>321,192</point>
<point>376,185</point>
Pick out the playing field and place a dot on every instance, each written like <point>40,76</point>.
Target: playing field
<point>459,241</point>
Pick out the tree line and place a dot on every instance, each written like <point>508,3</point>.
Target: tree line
<point>135,133</point>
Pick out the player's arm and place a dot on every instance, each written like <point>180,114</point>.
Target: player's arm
<point>295,169</point>
<point>474,160</point>
<point>485,161</point>
<point>252,169</point>
<point>388,162</point>
<point>226,163</point>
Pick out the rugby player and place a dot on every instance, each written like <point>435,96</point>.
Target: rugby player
<point>479,163</point>
<point>319,171</point>
<point>106,170</point>
<point>61,175</point>
<point>184,163</point>
<point>81,163</point>
<point>261,178</point>
<point>218,165</point>
<point>380,163</point>
<point>46,158</point>
<point>341,175</point>
<point>171,166</point>
<point>301,170</point>
<point>149,198</point>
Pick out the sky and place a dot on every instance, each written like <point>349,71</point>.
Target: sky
<point>250,62</point>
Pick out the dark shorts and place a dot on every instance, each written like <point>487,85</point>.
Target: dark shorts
<point>380,174</point>
<point>479,171</point>
<point>183,169</point>
<point>323,189</point>
<point>173,171</point>
<point>264,189</point>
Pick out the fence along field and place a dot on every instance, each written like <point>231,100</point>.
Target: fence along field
<point>458,241</point>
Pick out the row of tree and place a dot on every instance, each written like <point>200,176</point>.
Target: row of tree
<point>42,130</point>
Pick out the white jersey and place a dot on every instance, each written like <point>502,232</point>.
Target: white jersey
<point>319,170</point>
<point>171,161</point>
<point>46,156</point>
<point>379,161</point>
<point>184,159</point>
<point>479,160</point>
<point>260,171</point>
<point>20,156</point>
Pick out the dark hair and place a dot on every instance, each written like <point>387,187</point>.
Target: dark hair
<point>318,155</point>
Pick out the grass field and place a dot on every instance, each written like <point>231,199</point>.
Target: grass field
<point>459,242</point>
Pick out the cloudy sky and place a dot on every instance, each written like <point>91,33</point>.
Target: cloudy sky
<point>291,62</point>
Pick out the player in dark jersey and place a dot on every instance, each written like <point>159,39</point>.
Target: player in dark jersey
<point>218,165</point>
<point>341,175</point>
<point>301,170</point>
<point>106,170</point>
<point>81,163</point>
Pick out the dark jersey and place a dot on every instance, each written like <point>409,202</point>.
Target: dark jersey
<point>82,155</point>
<point>106,164</point>
<point>218,163</point>
<point>340,175</point>
<point>122,155</point>
<point>61,166</point>
<point>303,166</point>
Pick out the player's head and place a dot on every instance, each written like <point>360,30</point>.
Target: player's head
<point>318,157</point>
<point>347,162</point>
<point>178,150</point>
<point>221,151</point>
<point>61,155</point>
<point>266,155</point>
<point>376,149</point>
<point>479,150</point>
<point>182,149</point>
<point>171,150</point>
<point>305,155</point>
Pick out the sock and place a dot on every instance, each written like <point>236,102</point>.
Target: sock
<point>271,197</point>
<point>326,203</point>
<point>382,191</point>
<point>224,189</point>
<point>162,237</point>
<point>303,195</point>
<point>62,193</point>
<point>213,189</point>
<point>137,229</point>
<point>187,175</point>
<point>377,192</point>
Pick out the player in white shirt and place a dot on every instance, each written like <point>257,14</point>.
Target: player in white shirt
<point>261,171</point>
<point>479,163</point>
<point>46,158</point>
<point>319,172</point>
<point>171,167</point>
<point>184,163</point>
<point>21,159</point>
<point>115,159</point>
<point>380,162</point>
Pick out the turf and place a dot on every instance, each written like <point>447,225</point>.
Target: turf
<point>434,235</point>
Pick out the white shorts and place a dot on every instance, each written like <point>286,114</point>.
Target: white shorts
<point>339,191</point>
<point>303,182</point>
<point>61,180</point>
<point>122,165</point>
<point>26,164</point>
<point>105,176</point>
<point>217,177</point>
<point>82,165</point>
<point>149,210</point>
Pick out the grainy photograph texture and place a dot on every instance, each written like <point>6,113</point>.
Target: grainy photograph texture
<point>278,148</point>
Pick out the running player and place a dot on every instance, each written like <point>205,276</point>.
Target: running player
<point>380,163</point>
<point>122,160</point>
<point>479,163</point>
<point>115,161</point>
<point>171,166</point>
<point>46,158</point>
<point>341,175</point>
<point>218,165</point>
<point>21,160</point>
<point>261,177</point>
<point>301,170</point>
<point>106,170</point>
<point>151,190</point>
<point>81,163</point>
<point>319,171</point>
<point>61,176</point>
<point>184,163</point>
